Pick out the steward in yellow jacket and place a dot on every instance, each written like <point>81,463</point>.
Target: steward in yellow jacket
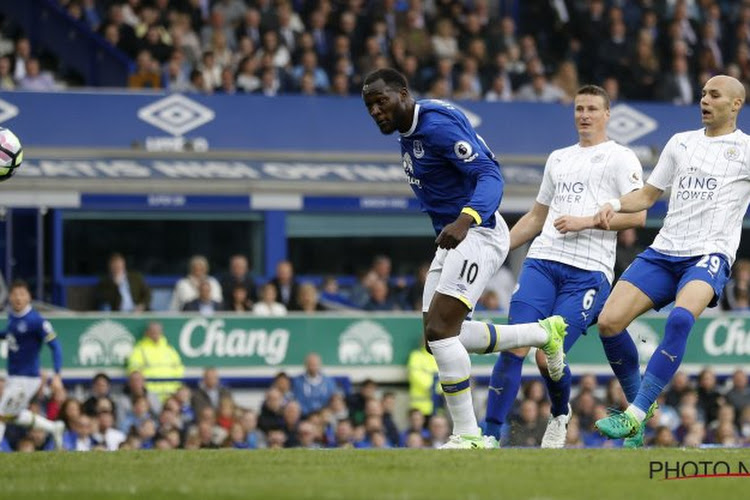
<point>155,359</point>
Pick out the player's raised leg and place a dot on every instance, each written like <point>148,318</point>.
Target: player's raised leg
<point>691,301</point>
<point>547,334</point>
<point>17,394</point>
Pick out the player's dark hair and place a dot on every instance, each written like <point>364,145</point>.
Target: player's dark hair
<point>19,284</point>
<point>595,90</point>
<point>392,78</point>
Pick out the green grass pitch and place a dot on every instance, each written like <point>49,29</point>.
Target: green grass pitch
<point>358,474</point>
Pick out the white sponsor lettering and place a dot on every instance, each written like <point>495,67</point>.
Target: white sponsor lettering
<point>204,337</point>
<point>726,336</point>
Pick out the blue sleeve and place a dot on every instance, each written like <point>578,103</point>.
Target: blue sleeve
<point>54,345</point>
<point>468,153</point>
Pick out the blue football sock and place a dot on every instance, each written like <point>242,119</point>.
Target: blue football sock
<point>622,355</point>
<point>559,392</point>
<point>504,384</point>
<point>667,357</point>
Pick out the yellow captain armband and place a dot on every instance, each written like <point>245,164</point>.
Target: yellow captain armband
<point>474,214</point>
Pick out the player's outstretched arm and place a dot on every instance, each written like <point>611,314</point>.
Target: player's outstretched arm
<point>529,225</point>
<point>633,202</point>
<point>571,223</point>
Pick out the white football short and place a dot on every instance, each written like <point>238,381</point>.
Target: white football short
<point>18,393</point>
<point>464,271</point>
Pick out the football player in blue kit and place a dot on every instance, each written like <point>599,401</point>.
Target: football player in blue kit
<point>457,180</point>
<point>25,334</point>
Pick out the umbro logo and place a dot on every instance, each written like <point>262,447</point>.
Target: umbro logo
<point>626,124</point>
<point>176,114</point>
<point>7,111</point>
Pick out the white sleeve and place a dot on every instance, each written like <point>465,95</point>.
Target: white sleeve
<point>628,172</point>
<point>547,189</point>
<point>663,174</point>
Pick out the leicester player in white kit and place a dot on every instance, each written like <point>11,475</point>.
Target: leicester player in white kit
<point>25,334</point>
<point>708,171</point>
<point>569,268</point>
<point>457,180</point>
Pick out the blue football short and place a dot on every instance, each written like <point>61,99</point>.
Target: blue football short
<point>546,288</point>
<point>661,276</point>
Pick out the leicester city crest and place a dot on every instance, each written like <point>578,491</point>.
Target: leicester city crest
<point>418,149</point>
<point>732,153</point>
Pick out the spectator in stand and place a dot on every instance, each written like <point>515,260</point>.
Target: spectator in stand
<point>678,387</point>
<point>147,74</point>
<point>678,86</point>
<point>540,90</point>
<point>238,300</point>
<point>239,274</point>
<point>254,437</point>
<point>738,396</point>
<point>156,359</point>
<point>309,64</point>
<point>627,250</point>
<point>379,298</point>
<point>21,56</point>
<point>331,295</point>
<point>738,286</point>
<point>81,436</point>
<point>35,78</point>
<point>226,413</point>
<point>313,389</point>
<point>413,294</point>
<point>709,398</point>
<point>422,372</point>
<point>106,432</point>
<point>287,288</point>
<point>122,290</point>
<point>438,430</point>
<point>209,391</point>
<point>101,385</point>
<point>307,299</point>
<point>271,413</point>
<point>267,305</point>
<point>186,289</point>
<point>292,416</point>
<point>357,402</point>
<point>204,304</point>
<point>6,74</point>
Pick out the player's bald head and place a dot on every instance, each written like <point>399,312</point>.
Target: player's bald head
<point>730,85</point>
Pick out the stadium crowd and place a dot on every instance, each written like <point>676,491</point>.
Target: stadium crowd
<point>497,50</point>
<point>310,411</point>
<point>375,289</point>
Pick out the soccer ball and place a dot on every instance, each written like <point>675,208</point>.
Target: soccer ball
<point>11,154</point>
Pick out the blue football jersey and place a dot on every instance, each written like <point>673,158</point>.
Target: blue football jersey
<point>449,167</point>
<point>25,334</point>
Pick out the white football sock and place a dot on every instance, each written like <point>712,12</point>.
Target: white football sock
<point>2,430</point>
<point>481,338</point>
<point>454,369</point>
<point>637,412</point>
<point>27,419</point>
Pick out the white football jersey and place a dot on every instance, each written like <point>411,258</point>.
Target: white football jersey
<point>710,193</point>
<point>577,181</point>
